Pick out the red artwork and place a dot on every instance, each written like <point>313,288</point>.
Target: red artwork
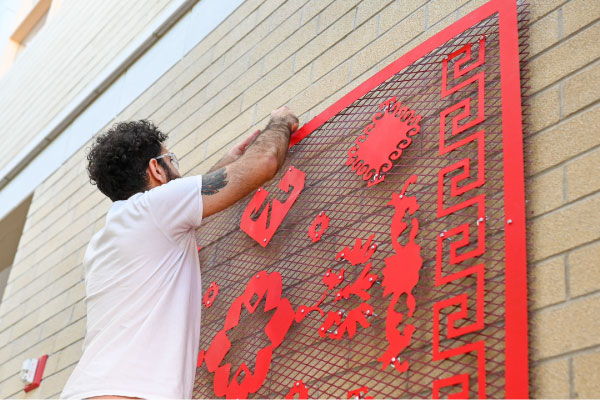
<point>263,286</point>
<point>264,226</point>
<point>450,320</point>
<point>359,253</point>
<point>462,197</point>
<point>211,294</point>
<point>383,141</point>
<point>298,389</point>
<point>360,393</point>
<point>322,222</point>
<point>400,276</point>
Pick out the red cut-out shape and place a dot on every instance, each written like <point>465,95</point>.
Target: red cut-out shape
<point>359,253</point>
<point>211,294</point>
<point>360,286</point>
<point>383,141</point>
<point>356,316</point>
<point>199,248</point>
<point>401,274</point>
<point>333,318</point>
<point>298,389</point>
<point>332,279</point>
<point>303,311</point>
<point>360,393</point>
<point>262,286</point>
<point>200,358</point>
<point>321,220</point>
<point>258,229</point>
<point>462,380</point>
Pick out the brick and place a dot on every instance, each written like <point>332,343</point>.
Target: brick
<point>53,384</point>
<point>79,310</point>
<point>335,11</point>
<point>578,13</point>
<point>550,233</point>
<point>549,282</point>
<point>543,33</point>
<point>565,140</point>
<point>439,9</point>
<point>70,334</point>
<point>570,55</point>
<point>322,42</point>
<point>386,43</point>
<point>584,270</point>
<point>546,191</point>
<point>566,328</point>
<point>70,355</point>
<point>283,93</point>
<point>56,323</point>
<point>27,323</point>
<point>276,77</point>
<point>344,49</point>
<point>367,8</point>
<point>586,375</point>
<point>12,386</point>
<point>583,175</point>
<point>396,12</point>
<point>312,8</point>
<point>550,380</point>
<point>544,109</point>
<point>581,89</point>
<point>469,7</point>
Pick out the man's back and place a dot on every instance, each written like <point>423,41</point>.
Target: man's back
<point>143,297</point>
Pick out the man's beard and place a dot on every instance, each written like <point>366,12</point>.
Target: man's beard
<point>171,175</point>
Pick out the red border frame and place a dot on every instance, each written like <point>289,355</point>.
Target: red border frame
<point>516,352</point>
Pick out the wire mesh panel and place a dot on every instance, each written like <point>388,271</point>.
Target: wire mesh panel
<point>387,275</point>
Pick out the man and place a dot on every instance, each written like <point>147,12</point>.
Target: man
<point>143,288</point>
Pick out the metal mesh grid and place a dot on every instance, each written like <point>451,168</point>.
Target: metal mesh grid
<point>330,368</point>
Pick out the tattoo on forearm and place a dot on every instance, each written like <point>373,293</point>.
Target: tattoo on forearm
<point>212,182</point>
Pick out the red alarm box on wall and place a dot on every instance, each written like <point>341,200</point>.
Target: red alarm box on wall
<point>32,371</point>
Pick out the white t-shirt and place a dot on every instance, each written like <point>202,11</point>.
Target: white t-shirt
<point>143,297</point>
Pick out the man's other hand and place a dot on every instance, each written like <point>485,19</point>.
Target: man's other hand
<point>240,148</point>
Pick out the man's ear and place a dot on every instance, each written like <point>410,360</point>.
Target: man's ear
<point>156,174</point>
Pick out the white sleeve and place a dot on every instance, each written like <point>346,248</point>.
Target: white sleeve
<point>177,205</point>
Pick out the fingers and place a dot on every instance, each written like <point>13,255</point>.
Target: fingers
<point>287,115</point>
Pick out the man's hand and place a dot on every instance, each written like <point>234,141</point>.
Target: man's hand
<point>286,116</point>
<point>240,148</point>
<point>258,158</point>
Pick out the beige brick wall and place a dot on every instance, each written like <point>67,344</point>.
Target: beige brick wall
<point>76,44</point>
<point>307,53</point>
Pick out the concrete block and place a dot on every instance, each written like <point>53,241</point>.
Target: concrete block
<point>586,375</point>
<point>583,175</point>
<point>550,380</point>
<point>578,13</point>
<point>439,9</point>
<point>581,89</point>
<point>570,55</point>
<point>539,8</point>
<point>344,49</point>
<point>548,283</point>
<point>584,270</point>
<point>543,33</point>
<point>566,328</point>
<point>565,140</point>
<point>554,233</point>
<point>544,109</point>
<point>547,191</point>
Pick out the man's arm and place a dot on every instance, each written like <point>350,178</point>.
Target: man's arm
<point>223,187</point>
<point>235,153</point>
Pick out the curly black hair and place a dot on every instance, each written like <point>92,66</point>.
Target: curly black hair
<point>118,158</point>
